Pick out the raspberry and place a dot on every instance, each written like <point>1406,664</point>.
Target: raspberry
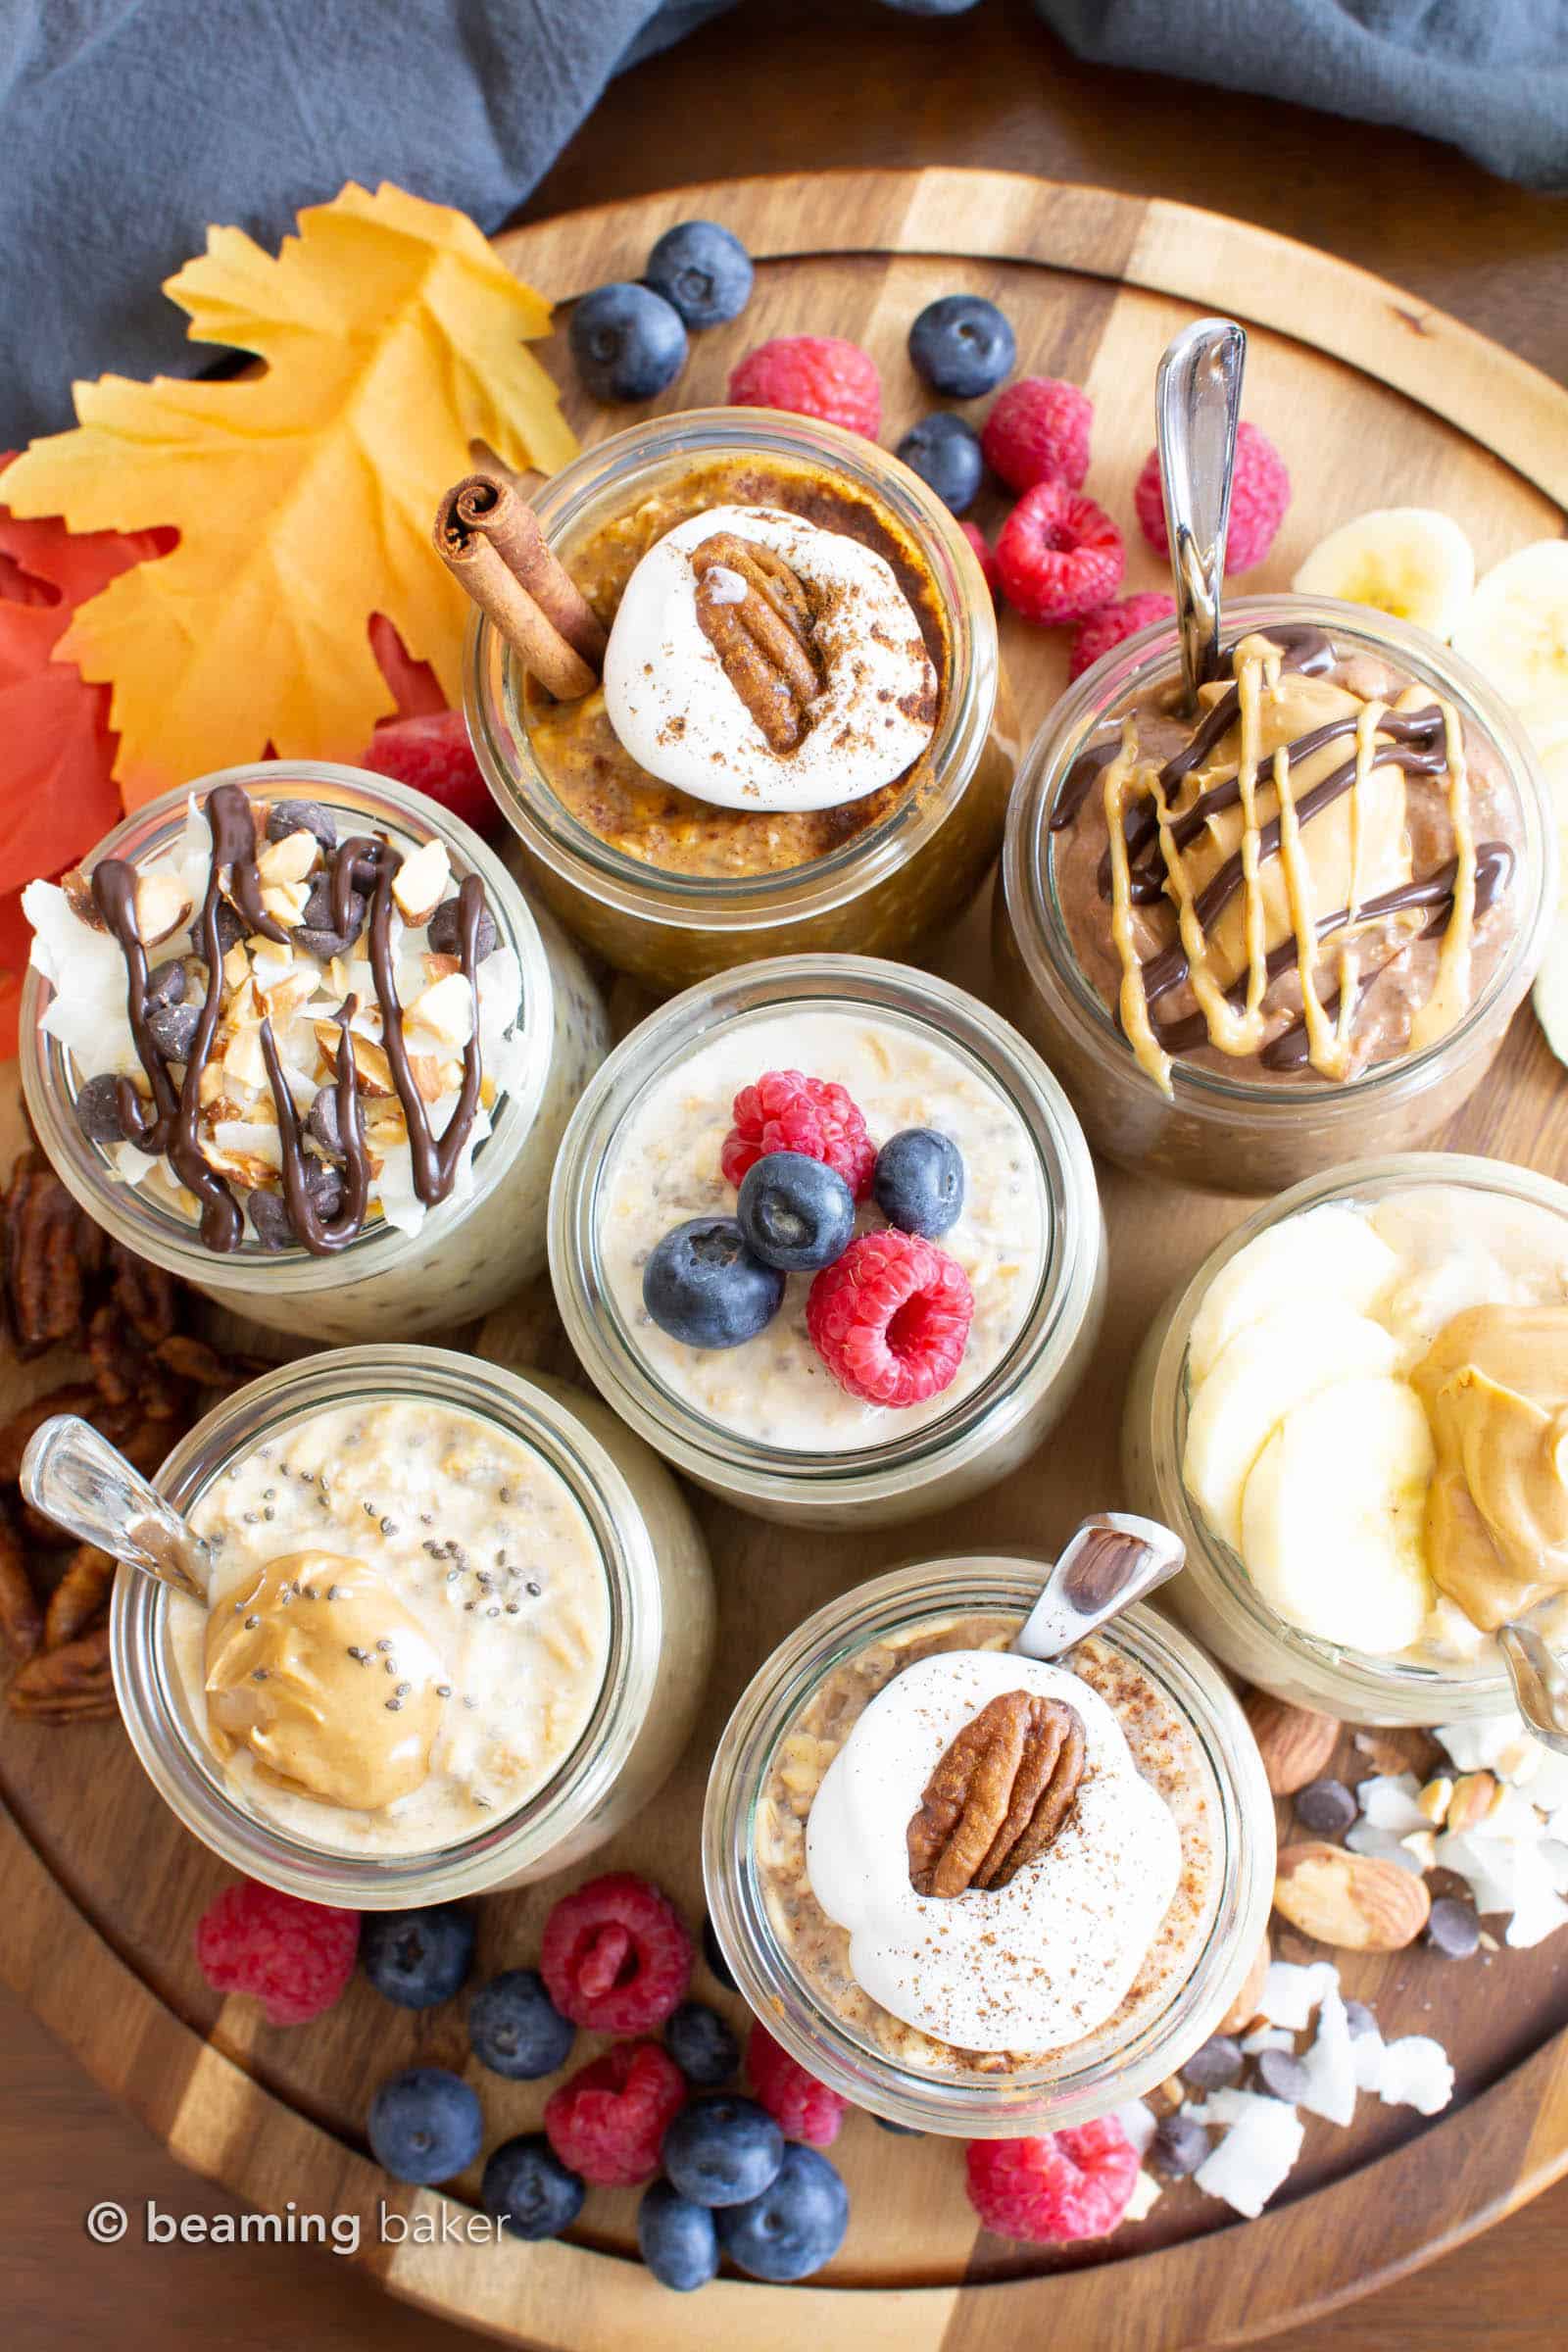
<point>785,1111</point>
<point>891,1320</point>
<point>1068,2185</point>
<point>1259,495</point>
<point>1060,556</point>
<point>814,375</point>
<point>617,1957</point>
<point>606,2123</point>
<point>294,1956</point>
<point>433,756</point>
<point>985,554</point>
<point>802,2107</point>
<point>1038,431</point>
<point>1112,623</point>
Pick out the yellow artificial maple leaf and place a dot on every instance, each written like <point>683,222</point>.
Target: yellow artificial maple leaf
<point>392,338</point>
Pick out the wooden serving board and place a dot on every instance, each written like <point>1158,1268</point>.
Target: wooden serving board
<point>1374,400</point>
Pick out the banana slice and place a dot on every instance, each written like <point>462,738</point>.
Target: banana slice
<point>1550,996</point>
<point>1412,561</point>
<point>1516,633</point>
<point>1333,1515</point>
<point>1328,1254</point>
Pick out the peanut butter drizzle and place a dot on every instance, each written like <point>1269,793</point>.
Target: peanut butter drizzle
<point>1134,1002</point>
<point>1451,992</point>
<point>1495,1385</point>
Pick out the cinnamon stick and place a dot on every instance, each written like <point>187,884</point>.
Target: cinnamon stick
<point>490,541</point>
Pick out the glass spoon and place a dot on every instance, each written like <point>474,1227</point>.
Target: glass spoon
<point>1198,405</point>
<point>78,1478</point>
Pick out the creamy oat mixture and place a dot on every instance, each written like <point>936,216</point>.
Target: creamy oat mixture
<point>432,1559</point>
<point>775,1389</point>
<point>1168,1757</point>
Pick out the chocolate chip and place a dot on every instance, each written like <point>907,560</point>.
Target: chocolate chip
<point>1360,2019</point>
<point>1283,2076</point>
<point>322,1122</point>
<point>1326,1807</point>
<point>98,1110</point>
<point>230,930</point>
<point>166,986</point>
<point>1178,2148</point>
<point>174,1030</point>
<point>302,817</point>
<point>1216,2065</point>
<point>444,937</point>
<point>270,1220</point>
<point>316,933</point>
<point>325,1187</point>
<point>1454,1928</point>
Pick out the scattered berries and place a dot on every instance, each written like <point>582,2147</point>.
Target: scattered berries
<point>722,2150</point>
<point>944,450</point>
<point>676,2238</point>
<point>1068,2185</point>
<point>514,2027</point>
<point>962,346</point>
<point>802,2108</point>
<point>1060,556</point>
<point>417,1958</point>
<point>608,2120</point>
<point>703,270</point>
<point>295,1957</point>
<point>814,375</point>
<point>795,1212</point>
<point>706,1288</point>
<point>617,1957</point>
<point>985,554</point>
<point>1112,623</point>
<point>626,341</point>
<point>891,1320</point>
<point>1261,492</point>
<point>918,1185</point>
<point>1038,431</point>
<point>785,1111</point>
<point>797,2224</point>
<point>702,2046</point>
<point>434,756</point>
<point>424,2125</point>
<point>526,2186</point>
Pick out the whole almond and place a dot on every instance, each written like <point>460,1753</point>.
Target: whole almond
<point>1296,1745</point>
<point>1354,1901</point>
<point>1250,1997</point>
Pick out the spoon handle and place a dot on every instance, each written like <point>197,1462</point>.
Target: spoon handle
<point>1198,404</point>
<point>1111,1561</point>
<point>78,1478</point>
<point>1540,1682</point>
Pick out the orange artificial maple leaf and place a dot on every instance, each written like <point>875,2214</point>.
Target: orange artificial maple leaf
<point>392,338</point>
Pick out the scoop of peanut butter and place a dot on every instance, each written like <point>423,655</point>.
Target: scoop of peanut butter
<point>325,1677</point>
<point>1495,1385</point>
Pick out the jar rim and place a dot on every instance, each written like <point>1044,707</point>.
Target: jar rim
<point>983,2106</point>
<point>630,459</point>
<point>189,1780</point>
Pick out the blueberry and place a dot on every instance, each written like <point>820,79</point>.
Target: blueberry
<point>962,346</point>
<point>702,2046</point>
<point>1216,2065</point>
<point>714,1955</point>
<point>174,1030</point>
<point>722,2150</point>
<point>443,938</point>
<point>1325,1807</point>
<point>98,1110</point>
<point>944,450</point>
<point>703,270</point>
<point>794,2225</point>
<point>527,2188</point>
<point>1178,2148</point>
<point>795,1212</point>
<point>424,2126</point>
<point>918,1181</point>
<point>315,934</point>
<point>702,1285</point>
<point>166,986</point>
<point>627,342</point>
<point>676,2238</point>
<point>417,1958</point>
<point>515,2029</point>
<point>302,817</point>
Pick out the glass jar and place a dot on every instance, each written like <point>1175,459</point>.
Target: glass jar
<point>468,1254</point>
<point>661,1633</point>
<point>882,891</point>
<point>993,1426</point>
<point>1061,2087</point>
<point>1229,1133</point>
<point>1214,1596</point>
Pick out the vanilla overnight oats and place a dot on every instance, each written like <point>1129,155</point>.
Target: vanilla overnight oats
<point>297,1036</point>
<point>828,1236</point>
<point>978,1887</point>
<point>451,1638</point>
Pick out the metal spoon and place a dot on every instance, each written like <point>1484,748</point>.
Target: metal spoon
<point>1540,1682</point>
<point>1111,1560</point>
<point>81,1481</point>
<point>1198,404</point>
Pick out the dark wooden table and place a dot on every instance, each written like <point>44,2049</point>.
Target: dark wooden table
<point>787,85</point>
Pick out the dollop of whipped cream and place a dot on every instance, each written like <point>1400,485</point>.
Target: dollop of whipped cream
<point>673,704</point>
<point>1030,1966</point>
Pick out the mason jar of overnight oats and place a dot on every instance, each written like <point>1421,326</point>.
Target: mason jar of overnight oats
<point>459,1624</point>
<point>1005,2002</point>
<point>948,1359</point>
<point>1348,1414</point>
<point>492,1091</point>
<point>1418,850</point>
<point>673,885</point>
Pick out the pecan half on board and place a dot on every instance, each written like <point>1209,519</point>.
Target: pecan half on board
<point>999,1796</point>
<point>758,618</point>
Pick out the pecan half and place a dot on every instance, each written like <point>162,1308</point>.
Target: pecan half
<point>999,1796</point>
<point>20,1618</point>
<point>79,1596</point>
<point>762,636</point>
<point>71,1682</point>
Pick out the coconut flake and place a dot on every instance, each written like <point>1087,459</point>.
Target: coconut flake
<point>1387,1803</point>
<point>1139,2122</point>
<point>1268,2038</point>
<point>1144,2196</point>
<point>1292,1993</point>
<point>1479,1747</point>
<point>1329,2066</point>
<point>1415,2073</point>
<point>1261,2143</point>
<point>1384,1846</point>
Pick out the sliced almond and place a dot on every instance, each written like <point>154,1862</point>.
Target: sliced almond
<point>1475,1795</point>
<point>420,884</point>
<point>1422,1846</point>
<point>1520,1760</point>
<point>371,1069</point>
<point>77,888</point>
<point>1433,1801</point>
<point>289,860</point>
<point>236,967</point>
<point>285,902</point>
<point>426,1069</point>
<point>445,1011</point>
<point>439,968</point>
<point>210,1087</point>
<point>244,1168</point>
<point>1296,1745</point>
<point>1356,1902</point>
<point>163,908</point>
<point>243,1059</point>
<point>289,994</point>
<point>488,1091</point>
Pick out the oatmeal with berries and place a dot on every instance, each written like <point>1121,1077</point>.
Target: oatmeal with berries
<point>823,1227</point>
<point>408,1631</point>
